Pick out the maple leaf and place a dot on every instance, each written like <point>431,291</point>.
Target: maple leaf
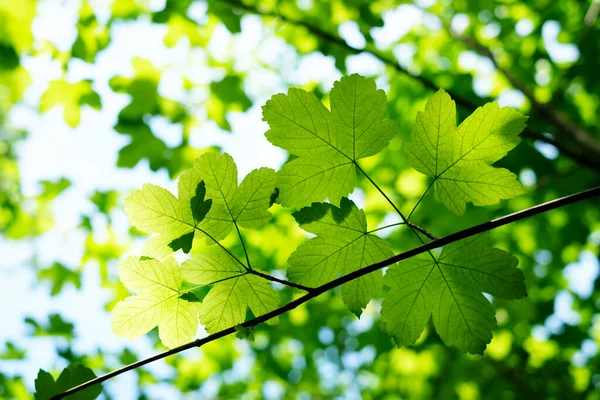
<point>449,290</point>
<point>459,158</point>
<point>209,203</point>
<point>342,245</point>
<point>328,143</point>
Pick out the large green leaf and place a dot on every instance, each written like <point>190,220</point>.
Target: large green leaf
<point>328,143</point>
<point>342,245</point>
<point>459,159</point>
<point>157,302</point>
<point>448,289</point>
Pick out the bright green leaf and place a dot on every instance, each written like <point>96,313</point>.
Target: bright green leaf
<point>460,159</point>
<point>328,142</point>
<point>71,96</point>
<point>342,245</point>
<point>157,302</point>
<point>449,290</point>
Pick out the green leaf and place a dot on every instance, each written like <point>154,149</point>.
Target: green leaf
<point>245,333</point>
<point>449,290</point>
<point>200,206</point>
<point>12,352</point>
<point>342,245</point>
<point>225,96</point>
<point>177,220</point>
<point>157,302</point>
<point>245,205</point>
<point>56,326</point>
<point>73,375</point>
<point>328,143</point>
<point>225,13</point>
<point>58,275</point>
<point>460,159</point>
<point>233,290</point>
<point>184,242</point>
<point>45,387</point>
<point>71,96</point>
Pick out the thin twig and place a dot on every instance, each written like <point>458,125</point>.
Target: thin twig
<point>422,230</point>
<point>386,227</point>
<point>412,226</point>
<point>474,230</point>
<point>222,247</point>
<point>282,281</point>
<point>237,228</point>
<point>420,198</point>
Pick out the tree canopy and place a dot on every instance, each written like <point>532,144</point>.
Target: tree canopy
<point>314,193</point>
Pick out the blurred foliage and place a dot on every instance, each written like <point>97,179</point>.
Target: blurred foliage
<point>545,53</point>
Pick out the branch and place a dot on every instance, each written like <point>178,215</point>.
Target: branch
<point>477,229</point>
<point>566,128</point>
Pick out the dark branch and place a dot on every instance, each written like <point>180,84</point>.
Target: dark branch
<point>477,229</point>
<point>568,129</point>
<point>589,149</point>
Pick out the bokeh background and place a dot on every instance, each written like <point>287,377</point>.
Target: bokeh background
<point>100,97</point>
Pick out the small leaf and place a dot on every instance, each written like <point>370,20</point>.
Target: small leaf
<point>200,206</point>
<point>184,242</point>
<point>189,296</point>
<point>209,202</point>
<point>45,387</point>
<point>245,332</point>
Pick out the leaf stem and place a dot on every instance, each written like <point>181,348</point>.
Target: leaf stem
<point>412,226</point>
<point>248,268</point>
<point>237,228</point>
<point>420,198</point>
<point>212,283</point>
<point>465,233</point>
<point>224,248</point>
<point>386,226</point>
<point>282,281</point>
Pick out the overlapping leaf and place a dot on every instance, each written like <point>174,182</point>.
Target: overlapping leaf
<point>46,387</point>
<point>449,290</point>
<point>233,290</point>
<point>328,143</point>
<point>177,220</point>
<point>157,302</point>
<point>342,245</point>
<point>459,158</point>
